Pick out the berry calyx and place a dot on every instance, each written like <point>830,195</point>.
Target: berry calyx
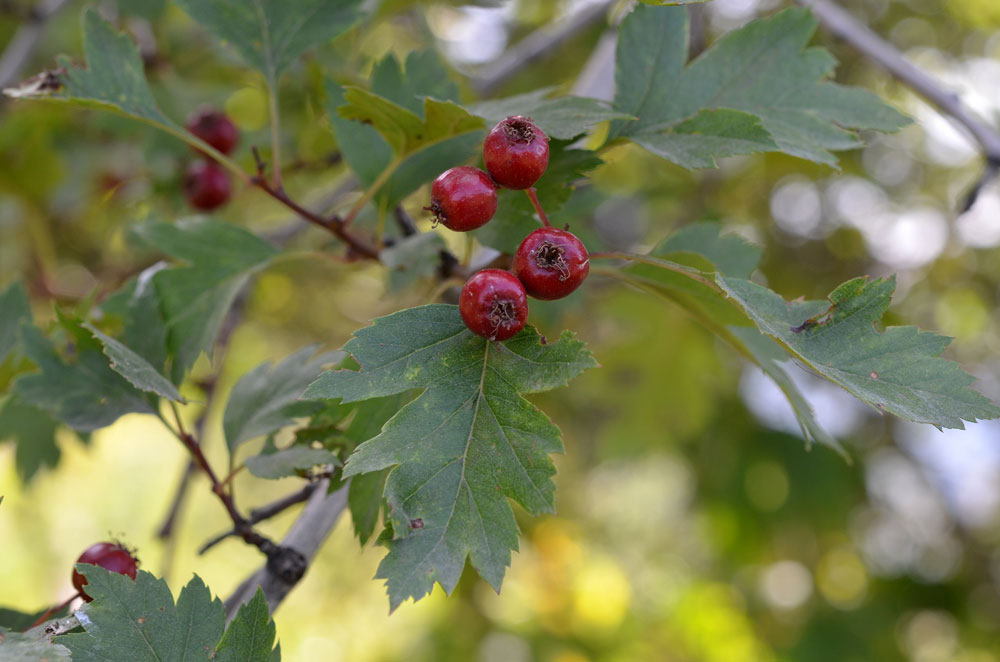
<point>493,304</point>
<point>206,185</point>
<point>516,152</point>
<point>463,198</point>
<point>111,556</point>
<point>215,128</point>
<point>551,263</point>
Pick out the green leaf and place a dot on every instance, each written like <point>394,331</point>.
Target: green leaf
<point>425,76</point>
<point>81,390</point>
<point>138,308</point>
<point>404,130</point>
<point>194,300</point>
<point>364,498</point>
<point>464,446</point>
<point>515,216</point>
<point>34,645</point>
<point>34,432</point>
<point>763,69</point>
<point>690,257</point>
<point>563,117</point>
<point>14,309</point>
<point>289,462</point>
<point>266,399</point>
<point>12,619</point>
<point>134,368</point>
<point>412,258</point>
<point>711,134</point>
<point>250,637</point>
<point>898,370</point>
<point>670,3</point>
<point>271,34</point>
<point>137,620</point>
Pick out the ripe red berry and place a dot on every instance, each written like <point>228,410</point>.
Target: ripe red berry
<point>551,263</point>
<point>206,185</point>
<point>493,304</point>
<point>215,128</point>
<point>516,153</point>
<point>110,556</point>
<point>463,198</point>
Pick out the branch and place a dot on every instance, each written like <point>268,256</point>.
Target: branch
<point>265,512</point>
<point>305,537</point>
<point>843,25</point>
<point>537,44</point>
<point>25,40</point>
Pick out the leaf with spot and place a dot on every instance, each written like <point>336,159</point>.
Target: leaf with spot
<point>462,448</point>
<point>138,621</point>
<point>757,89</point>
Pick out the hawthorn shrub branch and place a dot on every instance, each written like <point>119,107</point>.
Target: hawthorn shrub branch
<point>265,512</point>
<point>838,21</point>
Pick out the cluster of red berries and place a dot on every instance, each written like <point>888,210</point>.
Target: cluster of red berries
<point>549,263</point>
<point>111,556</point>
<point>206,183</point>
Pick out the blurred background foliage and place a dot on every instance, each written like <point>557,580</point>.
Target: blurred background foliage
<point>693,524</point>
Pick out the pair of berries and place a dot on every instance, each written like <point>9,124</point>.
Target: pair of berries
<point>111,556</point>
<point>206,183</point>
<point>549,263</point>
<point>515,153</point>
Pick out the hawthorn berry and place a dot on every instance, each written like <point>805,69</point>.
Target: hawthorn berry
<point>109,555</point>
<point>463,198</point>
<point>215,128</point>
<point>551,263</point>
<point>493,304</point>
<point>516,153</point>
<point>206,185</point>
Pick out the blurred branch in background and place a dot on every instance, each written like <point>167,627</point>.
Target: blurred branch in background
<point>21,47</point>
<point>306,536</point>
<point>838,21</point>
<point>536,45</point>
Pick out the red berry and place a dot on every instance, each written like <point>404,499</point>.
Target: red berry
<point>516,153</point>
<point>110,556</point>
<point>551,263</point>
<point>206,185</point>
<point>215,128</point>
<point>463,198</point>
<point>493,304</point>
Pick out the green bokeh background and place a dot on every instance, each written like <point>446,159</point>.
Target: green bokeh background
<point>688,528</point>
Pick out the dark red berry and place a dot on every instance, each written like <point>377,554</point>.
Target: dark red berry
<point>493,304</point>
<point>215,128</point>
<point>110,556</point>
<point>551,263</point>
<point>463,198</point>
<point>206,185</point>
<point>516,153</point>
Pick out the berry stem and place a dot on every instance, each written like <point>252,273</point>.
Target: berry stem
<point>372,190</point>
<point>272,102</point>
<point>52,610</point>
<point>690,272</point>
<point>533,196</point>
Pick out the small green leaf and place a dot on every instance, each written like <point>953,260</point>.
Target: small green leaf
<point>271,34</point>
<point>289,462</point>
<point>82,391</point>
<point>137,621</point>
<point>14,309</point>
<point>250,637</point>
<point>364,498</point>
<point>412,258</point>
<point>464,446</point>
<point>266,399</point>
<point>138,308</point>
<point>425,76</point>
<point>34,432</point>
<point>564,117</point>
<point>31,646</point>
<point>898,370</point>
<point>711,134</point>
<point>195,299</point>
<point>134,368</point>
<point>404,130</point>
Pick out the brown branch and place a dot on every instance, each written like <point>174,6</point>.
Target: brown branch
<point>875,48</point>
<point>265,512</point>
